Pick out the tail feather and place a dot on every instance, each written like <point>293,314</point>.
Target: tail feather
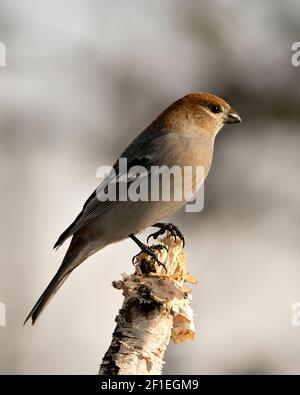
<point>77,252</point>
<point>67,233</point>
<point>47,295</point>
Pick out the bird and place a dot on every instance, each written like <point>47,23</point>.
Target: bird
<point>182,135</point>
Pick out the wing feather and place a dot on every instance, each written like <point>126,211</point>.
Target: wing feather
<point>140,152</point>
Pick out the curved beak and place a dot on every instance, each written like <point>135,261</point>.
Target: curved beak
<point>232,117</point>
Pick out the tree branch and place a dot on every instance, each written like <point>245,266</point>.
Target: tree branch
<point>156,308</point>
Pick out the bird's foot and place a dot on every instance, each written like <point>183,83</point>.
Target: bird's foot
<point>150,251</point>
<point>164,227</point>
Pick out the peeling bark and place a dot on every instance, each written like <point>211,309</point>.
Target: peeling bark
<point>156,308</point>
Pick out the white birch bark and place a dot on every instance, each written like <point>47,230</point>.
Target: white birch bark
<point>156,309</point>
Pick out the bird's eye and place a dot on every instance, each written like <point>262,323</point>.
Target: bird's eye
<point>215,108</point>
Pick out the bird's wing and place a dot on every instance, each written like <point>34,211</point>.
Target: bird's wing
<point>140,152</point>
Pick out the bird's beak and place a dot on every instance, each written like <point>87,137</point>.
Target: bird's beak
<point>232,117</point>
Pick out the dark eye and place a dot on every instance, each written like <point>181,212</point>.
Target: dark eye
<point>215,108</point>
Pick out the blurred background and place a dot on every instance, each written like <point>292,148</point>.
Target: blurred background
<point>83,77</point>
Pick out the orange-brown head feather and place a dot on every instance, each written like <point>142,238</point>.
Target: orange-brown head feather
<point>198,112</point>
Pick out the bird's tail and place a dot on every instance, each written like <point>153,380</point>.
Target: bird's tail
<point>48,294</point>
<point>77,252</point>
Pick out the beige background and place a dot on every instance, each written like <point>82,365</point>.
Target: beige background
<point>82,79</point>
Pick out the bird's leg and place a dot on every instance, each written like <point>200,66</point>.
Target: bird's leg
<point>163,227</point>
<point>148,250</point>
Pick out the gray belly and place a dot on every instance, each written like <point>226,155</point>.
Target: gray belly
<point>125,217</point>
<point>128,217</point>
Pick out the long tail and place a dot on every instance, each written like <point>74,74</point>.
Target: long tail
<point>47,295</point>
<point>77,252</point>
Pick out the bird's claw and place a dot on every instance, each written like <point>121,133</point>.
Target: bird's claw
<point>150,252</point>
<point>175,232</point>
<point>160,247</point>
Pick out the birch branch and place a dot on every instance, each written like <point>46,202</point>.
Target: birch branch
<point>156,309</point>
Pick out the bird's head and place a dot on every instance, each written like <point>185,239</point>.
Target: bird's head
<point>199,112</point>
